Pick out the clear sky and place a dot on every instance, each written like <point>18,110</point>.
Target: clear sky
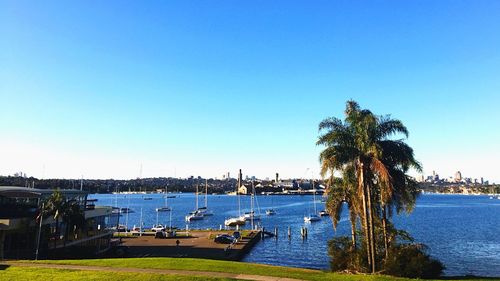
<point>97,88</point>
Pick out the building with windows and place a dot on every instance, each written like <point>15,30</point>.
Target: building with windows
<point>82,229</point>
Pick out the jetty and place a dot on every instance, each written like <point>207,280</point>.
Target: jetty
<point>191,244</point>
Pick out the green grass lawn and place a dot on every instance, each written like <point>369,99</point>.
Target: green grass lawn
<point>222,266</point>
<point>31,273</point>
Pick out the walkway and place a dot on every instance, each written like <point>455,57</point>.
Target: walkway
<point>155,271</point>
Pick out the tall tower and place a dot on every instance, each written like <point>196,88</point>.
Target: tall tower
<point>277,177</point>
<point>458,176</point>
<point>240,179</point>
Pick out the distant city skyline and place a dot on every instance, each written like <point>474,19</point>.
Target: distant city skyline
<point>190,88</point>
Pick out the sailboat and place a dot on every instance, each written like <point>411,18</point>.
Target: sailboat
<point>204,210</point>
<point>236,221</point>
<point>249,216</point>
<point>313,217</point>
<point>165,208</point>
<point>195,215</point>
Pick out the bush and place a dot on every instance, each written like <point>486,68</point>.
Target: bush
<point>404,260</point>
<point>411,261</point>
<point>344,257</point>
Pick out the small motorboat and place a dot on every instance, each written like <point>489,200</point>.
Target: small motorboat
<point>163,209</point>
<point>270,212</point>
<point>126,210</point>
<point>323,213</point>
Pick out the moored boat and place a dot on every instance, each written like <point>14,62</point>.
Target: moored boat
<point>270,212</point>
<point>234,221</point>
<point>126,210</point>
<point>311,218</point>
<point>194,216</point>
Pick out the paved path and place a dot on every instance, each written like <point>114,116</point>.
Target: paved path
<point>156,271</point>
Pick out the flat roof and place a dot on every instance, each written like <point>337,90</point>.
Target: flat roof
<point>21,191</point>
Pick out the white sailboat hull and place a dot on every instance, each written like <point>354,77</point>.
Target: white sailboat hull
<point>234,222</point>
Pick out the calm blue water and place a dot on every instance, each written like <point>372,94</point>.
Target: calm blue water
<point>462,231</point>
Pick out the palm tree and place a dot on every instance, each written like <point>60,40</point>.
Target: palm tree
<point>341,190</point>
<point>73,217</point>
<point>361,145</point>
<point>347,146</point>
<point>54,206</point>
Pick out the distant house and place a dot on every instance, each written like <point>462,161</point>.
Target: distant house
<point>19,228</point>
<point>243,190</point>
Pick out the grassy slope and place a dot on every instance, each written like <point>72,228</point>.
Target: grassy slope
<point>221,266</point>
<point>225,266</point>
<point>27,273</point>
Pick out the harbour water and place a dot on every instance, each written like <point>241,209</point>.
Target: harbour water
<point>461,231</point>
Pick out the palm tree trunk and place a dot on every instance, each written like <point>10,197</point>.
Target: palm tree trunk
<point>56,236</point>
<point>371,227</point>
<point>365,213</point>
<point>384,226</point>
<point>353,229</point>
<point>352,216</point>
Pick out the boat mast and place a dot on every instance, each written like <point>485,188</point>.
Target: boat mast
<point>238,193</point>
<point>206,193</point>
<point>170,225</point>
<point>251,206</point>
<point>166,195</point>
<point>314,197</point>
<point>196,197</point>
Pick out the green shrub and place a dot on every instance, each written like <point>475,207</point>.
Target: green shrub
<point>411,261</point>
<point>344,257</point>
<point>404,260</point>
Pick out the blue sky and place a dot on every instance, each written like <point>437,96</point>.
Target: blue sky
<point>202,88</point>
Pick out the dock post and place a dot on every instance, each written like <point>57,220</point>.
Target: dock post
<point>289,232</point>
<point>276,232</point>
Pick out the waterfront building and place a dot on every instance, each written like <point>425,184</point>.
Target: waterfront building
<point>21,234</point>
<point>458,176</point>
<point>243,190</point>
